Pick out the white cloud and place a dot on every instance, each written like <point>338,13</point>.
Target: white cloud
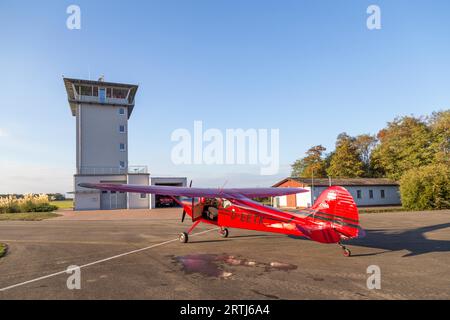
<point>3,133</point>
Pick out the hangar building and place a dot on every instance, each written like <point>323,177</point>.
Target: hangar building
<point>366,191</point>
<point>102,110</point>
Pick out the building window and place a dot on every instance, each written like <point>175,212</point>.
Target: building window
<point>358,194</point>
<point>108,92</point>
<point>86,90</point>
<point>122,164</point>
<point>122,129</point>
<point>382,194</point>
<point>143,195</point>
<point>371,194</point>
<point>95,91</point>
<point>122,111</point>
<point>122,147</point>
<point>119,93</point>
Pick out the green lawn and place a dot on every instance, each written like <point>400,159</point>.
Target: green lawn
<point>63,204</point>
<point>29,216</point>
<point>382,209</point>
<point>2,249</point>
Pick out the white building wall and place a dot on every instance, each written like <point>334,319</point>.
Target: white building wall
<point>282,201</point>
<point>391,193</point>
<point>135,201</point>
<point>304,199</point>
<point>89,199</point>
<point>99,138</point>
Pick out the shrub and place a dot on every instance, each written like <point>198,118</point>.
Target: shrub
<point>29,203</point>
<point>426,188</point>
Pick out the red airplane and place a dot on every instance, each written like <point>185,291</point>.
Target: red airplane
<point>332,219</point>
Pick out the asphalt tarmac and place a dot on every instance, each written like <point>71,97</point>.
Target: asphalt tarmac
<point>130,255</point>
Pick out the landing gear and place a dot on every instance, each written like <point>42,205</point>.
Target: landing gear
<point>183,237</point>
<point>223,232</point>
<point>345,251</point>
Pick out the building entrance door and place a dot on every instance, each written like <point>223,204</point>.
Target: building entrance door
<point>111,200</point>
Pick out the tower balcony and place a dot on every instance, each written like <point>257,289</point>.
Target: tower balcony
<point>112,170</point>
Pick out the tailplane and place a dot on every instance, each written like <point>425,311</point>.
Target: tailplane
<point>336,205</point>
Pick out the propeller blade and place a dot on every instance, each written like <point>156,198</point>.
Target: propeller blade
<point>183,216</point>
<point>190,184</point>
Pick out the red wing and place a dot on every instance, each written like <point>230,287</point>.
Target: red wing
<point>235,193</point>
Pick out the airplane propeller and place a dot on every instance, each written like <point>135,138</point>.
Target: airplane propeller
<point>184,211</point>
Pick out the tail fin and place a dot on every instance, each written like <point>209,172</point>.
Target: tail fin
<point>336,204</point>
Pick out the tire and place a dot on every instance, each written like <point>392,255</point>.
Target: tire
<point>224,233</point>
<point>183,237</point>
<point>347,252</point>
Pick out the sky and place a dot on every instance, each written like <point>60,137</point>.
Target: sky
<point>311,69</point>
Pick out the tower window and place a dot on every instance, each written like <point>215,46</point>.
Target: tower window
<point>122,147</point>
<point>86,90</point>
<point>122,164</point>
<point>119,93</point>
<point>122,129</point>
<point>122,111</point>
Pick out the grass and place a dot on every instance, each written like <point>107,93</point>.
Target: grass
<point>2,249</point>
<point>63,204</point>
<point>29,216</point>
<point>382,209</point>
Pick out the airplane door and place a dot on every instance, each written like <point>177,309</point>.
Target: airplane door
<point>197,209</point>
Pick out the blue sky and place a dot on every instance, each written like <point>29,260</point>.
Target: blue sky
<point>310,68</point>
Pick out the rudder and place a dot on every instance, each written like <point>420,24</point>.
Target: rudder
<point>336,205</point>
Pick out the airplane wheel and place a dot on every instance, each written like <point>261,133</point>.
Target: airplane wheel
<point>183,237</point>
<point>347,253</point>
<point>224,232</point>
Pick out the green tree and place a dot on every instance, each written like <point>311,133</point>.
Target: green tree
<point>365,143</point>
<point>345,161</point>
<point>440,130</point>
<point>426,188</point>
<point>404,144</point>
<point>312,163</point>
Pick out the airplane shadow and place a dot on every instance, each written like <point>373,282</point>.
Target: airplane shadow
<point>413,241</point>
<point>240,237</point>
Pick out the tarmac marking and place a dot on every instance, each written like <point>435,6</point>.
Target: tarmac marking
<point>102,260</point>
<point>44,242</point>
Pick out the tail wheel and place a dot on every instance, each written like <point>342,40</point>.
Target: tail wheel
<point>224,232</point>
<point>346,252</point>
<point>183,237</point>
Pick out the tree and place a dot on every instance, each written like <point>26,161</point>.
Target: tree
<point>345,162</point>
<point>313,163</point>
<point>426,188</point>
<point>404,144</point>
<point>440,130</point>
<point>365,143</point>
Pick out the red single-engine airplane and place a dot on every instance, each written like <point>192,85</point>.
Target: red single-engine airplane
<point>332,219</point>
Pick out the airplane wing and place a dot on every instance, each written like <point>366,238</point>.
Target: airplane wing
<point>228,193</point>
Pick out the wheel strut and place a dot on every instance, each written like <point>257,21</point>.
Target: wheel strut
<point>346,252</point>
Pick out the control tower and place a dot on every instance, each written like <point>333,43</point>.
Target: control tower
<point>102,110</point>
